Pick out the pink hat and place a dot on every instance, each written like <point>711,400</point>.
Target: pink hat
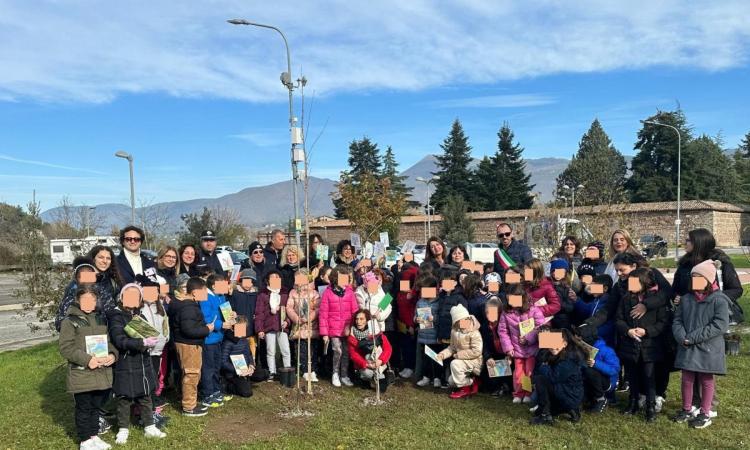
<point>706,269</point>
<point>369,277</point>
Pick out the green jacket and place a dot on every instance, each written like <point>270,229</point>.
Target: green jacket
<point>72,343</point>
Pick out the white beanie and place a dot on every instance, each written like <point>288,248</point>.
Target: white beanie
<point>458,312</point>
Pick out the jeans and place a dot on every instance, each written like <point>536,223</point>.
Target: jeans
<point>286,356</point>
<point>87,413</point>
<point>210,383</point>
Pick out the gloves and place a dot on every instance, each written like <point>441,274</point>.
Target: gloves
<point>150,342</point>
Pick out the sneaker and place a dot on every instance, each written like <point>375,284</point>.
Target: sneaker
<point>423,382</point>
<point>226,397</point>
<point>271,377</point>
<point>436,383</point>
<point>195,412</point>
<point>659,403</point>
<point>599,406</point>
<point>517,400</point>
<point>122,436</point>
<point>623,387</point>
<point>346,382</point>
<point>335,381</point>
<point>542,419</point>
<point>574,415</point>
<point>306,377</point>
<point>702,421</point>
<point>445,385</point>
<point>683,416</point>
<point>212,401</point>
<point>100,444</point>
<point>712,414</point>
<point>152,432</point>
<point>497,393</point>
<point>695,411</point>
<point>314,377</point>
<point>406,373</point>
<point>89,444</point>
<point>526,400</point>
<point>104,425</point>
<point>533,409</point>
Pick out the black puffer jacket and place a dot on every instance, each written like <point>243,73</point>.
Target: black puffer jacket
<point>656,322</point>
<point>134,375</point>
<point>564,317</point>
<point>186,323</point>
<point>445,303</point>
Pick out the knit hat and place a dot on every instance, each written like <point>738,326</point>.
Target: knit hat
<point>586,269</point>
<point>558,264</point>
<point>458,312</point>
<point>248,273</point>
<point>600,246</point>
<point>254,246</point>
<point>182,279</point>
<point>706,269</point>
<point>492,277</point>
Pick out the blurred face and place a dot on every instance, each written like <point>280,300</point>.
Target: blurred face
<point>436,248</point>
<point>132,241</point>
<point>208,245</point>
<point>360,321</point>
<point>278,241</point>
<point>688,245</point>
<point>257,256</point>
<point>556,351</point>
<point>102,261</point>
<point>619,243</point>
<point>623,270</point>
<point>169,260</point>
<point>464,324</point>
<point>246,283</point>
<point>326,276</point>
<point>504,235</point>
<point>87,302</point>
<point>292,258</point>
<point>569,247</point>
<point>188,256</point>
<point>458,256</point>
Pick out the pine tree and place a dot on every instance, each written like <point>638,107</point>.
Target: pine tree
<point>453,169</point>
<point>456,227</point>
<point>745,146</point>
<point>487,184</point>
<point>390,171</point>
<point>364,159</point>
<point>513,190</point>
<point>599,167</point>
<point>707,173</point>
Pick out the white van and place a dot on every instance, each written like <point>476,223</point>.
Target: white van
<point>64,251</point>
<point>481,251</point>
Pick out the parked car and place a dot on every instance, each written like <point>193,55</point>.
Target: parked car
<point>150,254</point>
<point>481,251</point>
<point>653,245</point>
<point>238,257</point>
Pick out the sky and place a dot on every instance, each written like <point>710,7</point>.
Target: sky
<point>199,105</point>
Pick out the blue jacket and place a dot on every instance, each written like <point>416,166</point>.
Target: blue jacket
<point>211,313</point>
<point>428,335</point>
<point>607,362</point>
<point>586,307</point>
<point>230,347</point>
<point>518,252</point>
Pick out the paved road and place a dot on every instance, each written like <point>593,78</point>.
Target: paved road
<point>9,281</point>
<point>15,332</point>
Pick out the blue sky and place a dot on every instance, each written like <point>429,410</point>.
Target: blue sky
<point>199,105</point>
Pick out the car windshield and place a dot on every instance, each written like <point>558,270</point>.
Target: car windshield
<point>647,239</point>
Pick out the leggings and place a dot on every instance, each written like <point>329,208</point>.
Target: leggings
<point>707,386</point>
<point>286,356</point>
<point>340,356</point>
<point>642,380</point>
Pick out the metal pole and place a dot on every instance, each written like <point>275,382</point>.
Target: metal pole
<point>573,204</point>
<point>132,192</point>
<point>429,229</point>
<point>678,221</point>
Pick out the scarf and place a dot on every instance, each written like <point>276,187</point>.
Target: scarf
<point>338,290</point>
<point>701,296</point>
<point>275,300</point>
<point>361,334</point>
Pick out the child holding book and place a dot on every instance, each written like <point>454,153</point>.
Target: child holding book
<point>337,308</point>
<point>210,384</point>
<point>492,349</point>
<point>601,371</point>
<point>243,300</point>
<point>134,378</point>
<point>84,344</point>
<point>369,349</point>
<point>425,318</point>
<point>540,287</point>
<point>156,316</point>
<point>466,350</point>
<point>235,346</point>
<point>700,321</point>
<point>189,329</point>
<point>302,308</point>
<point>271,321</point>
<point>520,346</point>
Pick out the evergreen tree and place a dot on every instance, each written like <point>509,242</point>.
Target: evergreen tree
<point>453,169</point>
<point>512,188</point>
<point>390,171</point>
<point>707,173</point>
<point>364,159</point>
<point>456,227</point>
<point>745,146</point>
<point>599,167</point>
<point>487,185</point>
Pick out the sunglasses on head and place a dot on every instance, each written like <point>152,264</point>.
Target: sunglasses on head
<point>132,239</point>
<point>504,235</point>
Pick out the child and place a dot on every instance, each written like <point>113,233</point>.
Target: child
<point>427,334</point>
<point>588,305</point>
<point>558,383</point>
<point>104,301</point>
<point>271,322</point>
<point>491,347</point>
<point>406,303</point>
<point>156,316</point>
<point>700,321</point>
<point>369,301</point>
<point>540,287</point>
<point>336,311</point>
<point>237,383</point>
<point>466,350</point>
<point>210,385</point>
<point>323,279</point>
<point>89,377</point>
<point>302,309</point>
<point>600,373</point>
<point>640,342</point>
<point>243,299</point>
<point>134,379</point>
<point>188,328</point>
<point>369,349</point>
<point>521,348</point>
<point>559,270</point>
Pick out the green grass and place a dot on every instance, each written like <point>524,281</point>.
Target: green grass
<point>739,261</point>
<point>39,414</point>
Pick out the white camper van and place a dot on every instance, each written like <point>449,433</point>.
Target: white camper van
<point>63,251</point>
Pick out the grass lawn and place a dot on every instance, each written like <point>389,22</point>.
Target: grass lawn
<point>39,414</point>
<point>739,261</point>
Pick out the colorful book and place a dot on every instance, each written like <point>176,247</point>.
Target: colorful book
<point>240,365</point>
<point>431,353</point>
<point>501,368</point>
<point>226,311</point>
<point>96,345</point>
<point>526,383</point>
<point>590,349</point>
<point>541,302</point>
<point>321,252</point>
<point>424,314</point>
<point>138,328</point>
<point>385,302</point>
<point>505,260</point>
<point>526,327</point>
<point>391,257</point>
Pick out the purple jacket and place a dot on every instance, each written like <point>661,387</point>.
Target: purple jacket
<point>510,334</point>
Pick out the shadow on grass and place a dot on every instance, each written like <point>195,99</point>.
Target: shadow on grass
<point>56,402</point>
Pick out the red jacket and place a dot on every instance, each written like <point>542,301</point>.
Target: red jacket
<point>547,291</point>
<point>407,306</point>
<point>358,357</point>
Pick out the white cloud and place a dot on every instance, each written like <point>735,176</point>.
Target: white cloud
<point>46,164</point>
<point>496,101</point>
<point>262,139</point>
<point>79,51</point>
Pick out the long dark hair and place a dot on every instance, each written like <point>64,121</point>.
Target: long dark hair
<point>575,242</point>
<point>112,271</point>
<point>574,348</point>
<point>471,286</point>
<point>428,251</point>
<point>518,289</point>
<point>704,244</point>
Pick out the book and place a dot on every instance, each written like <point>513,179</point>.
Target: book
<point>385,302</point>
<point>541,302</point>
<point>391,258</point>
<point>526,383</point>
<point>138,328</point>
<point>226,311</point>
<point>424,316</point>
<point>431,353</point>
<point>240,365</point>
<point>501,368</point>
<point>526,327</point>
<point>96,345</point>
<point>235,276</point>
<point>321,252</point>
<point>590,349</point>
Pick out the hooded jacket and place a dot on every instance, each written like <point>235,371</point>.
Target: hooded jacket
<point>336,312</point>
<point>702,324</point>
<point>545,290</point>
<point>466,346</point>
<point>304,306</point>
<point>510,333</point>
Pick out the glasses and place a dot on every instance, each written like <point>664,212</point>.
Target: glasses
<point>503,235</point>
<point>169,257</point>
<point>132,239</point>
<point>257,252</point>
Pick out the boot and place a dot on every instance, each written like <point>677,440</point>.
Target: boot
<point>574,415</point>
<point>461,392</point>
<point>650,412</point>
<point>542,419</point>
<point>475,386</point>
<point>632,408</point>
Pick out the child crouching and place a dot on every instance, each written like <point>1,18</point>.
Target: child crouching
<point>466,350</point>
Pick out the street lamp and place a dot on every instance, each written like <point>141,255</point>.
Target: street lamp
<point>573,197</point>
<point>677,222</point>
<point>129,157</point>
<point>427,183</point>
<point>298,154</point>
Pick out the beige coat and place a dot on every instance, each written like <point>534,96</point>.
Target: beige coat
<point>466,346</point>
<point>295,310</point>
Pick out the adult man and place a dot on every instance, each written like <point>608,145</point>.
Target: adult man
<point>273,249</point>
<point>518,252</point>
<point>130,262</point>
<point>207,257</point>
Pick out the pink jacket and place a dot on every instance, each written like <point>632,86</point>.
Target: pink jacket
<point>510,334</point>
<point>547,291</point>
<point>336,312</point>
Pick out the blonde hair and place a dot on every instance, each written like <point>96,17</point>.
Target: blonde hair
<point>163,251</point>
<point>631,246</point>
<point>292,249</point>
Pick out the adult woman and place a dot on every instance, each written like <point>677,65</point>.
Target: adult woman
<point>345,254</point>
<point>369,350</point>
<point>290,264</point>
<point>369,298</point>
<point>187,260</point>
<point>436,253</point>
<point>167,262</point>
<point>571,248</point>
<point>619,242</point>
<point>108,277</point>
<point>457,255</point>
<point>312,251</point>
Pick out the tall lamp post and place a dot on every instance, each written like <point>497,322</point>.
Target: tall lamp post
<point>298,153</point>
<point>129,157</point>
<point>677,221</point>
<point>428,182</point>
<point>573,197</point>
